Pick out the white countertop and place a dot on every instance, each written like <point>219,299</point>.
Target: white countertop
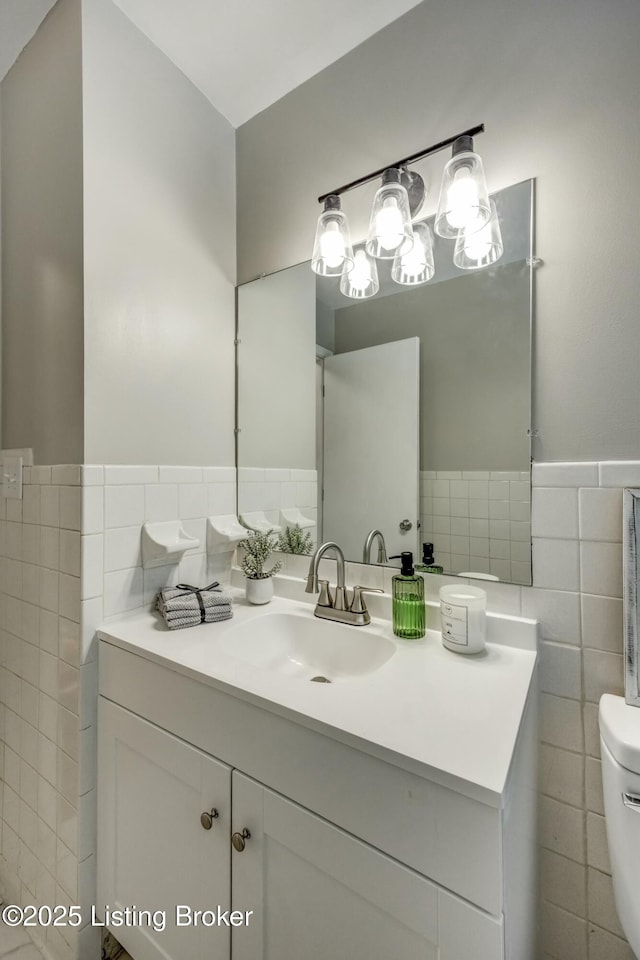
<point>451,718</point>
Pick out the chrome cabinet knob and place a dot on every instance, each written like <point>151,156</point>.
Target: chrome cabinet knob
<point>207,818</point>
<point>238,839</point>
<point>405,524</point>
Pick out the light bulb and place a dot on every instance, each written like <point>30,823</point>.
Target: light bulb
<point>390,222</point>
<point>361,281</point>
<point>479,244</point>
<point>477,240</point>
<point>462,199</point>
<point>463,192</point>
<point>360,276</point>
<point>389,225</point>
<point>413,263</point>
<point>332,250</point>
<point>332,247</point>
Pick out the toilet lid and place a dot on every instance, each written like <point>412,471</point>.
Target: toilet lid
<point>620,730</point>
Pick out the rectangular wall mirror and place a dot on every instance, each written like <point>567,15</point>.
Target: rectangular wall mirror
<point>408,413</point>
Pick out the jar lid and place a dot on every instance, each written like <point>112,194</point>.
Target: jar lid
<point>462,594</point>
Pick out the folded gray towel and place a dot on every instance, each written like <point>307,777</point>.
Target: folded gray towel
<point>190,601</point>
<point>209,613</point>
<point>213,615</point>
<point>186,606</point>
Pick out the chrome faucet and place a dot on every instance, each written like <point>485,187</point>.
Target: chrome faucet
<point>382,549</point>
<point>340,608</point>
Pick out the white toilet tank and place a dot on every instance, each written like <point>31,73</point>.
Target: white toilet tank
<point>620,743</point>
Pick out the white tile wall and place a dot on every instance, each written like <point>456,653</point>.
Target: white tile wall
<point>70,557</point>
<point>577,576</point>
<point>51,606</point>
<point>39,687</point>
<point>130,495</point>
<point>479,520</point>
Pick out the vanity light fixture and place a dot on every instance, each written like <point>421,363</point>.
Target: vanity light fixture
<point>479,244</point>
<point>332,250</point>
<point>464,213</point>
<point>414,264</point>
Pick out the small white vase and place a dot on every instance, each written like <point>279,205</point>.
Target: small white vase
<point>259,591</point>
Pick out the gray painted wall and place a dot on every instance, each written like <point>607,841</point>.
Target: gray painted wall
<point>41,177</point>
<point>159,187</point>
<point>474,363</point>
<point>556,85</point>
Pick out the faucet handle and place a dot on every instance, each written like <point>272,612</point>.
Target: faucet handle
<point>325,599</point>
<point>357,604</point>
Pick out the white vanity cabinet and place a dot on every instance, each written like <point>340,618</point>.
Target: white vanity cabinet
<point>348,856</point>
<point>306,888</point>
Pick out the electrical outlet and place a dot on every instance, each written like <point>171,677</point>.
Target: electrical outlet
<point>12,478</point>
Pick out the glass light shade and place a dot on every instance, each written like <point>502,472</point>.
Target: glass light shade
<point>480,244</point>
<point>390,224</point>
<point>362,281</point>
<point>463,195</point>
<point>415,265</point>
<point>332,250</point>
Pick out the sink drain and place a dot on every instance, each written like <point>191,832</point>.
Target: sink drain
<point>320,680</point>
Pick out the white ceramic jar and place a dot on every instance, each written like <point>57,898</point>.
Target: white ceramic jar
<point>463,614</point>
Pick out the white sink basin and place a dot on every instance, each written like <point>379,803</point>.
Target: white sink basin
<point>305,647</point>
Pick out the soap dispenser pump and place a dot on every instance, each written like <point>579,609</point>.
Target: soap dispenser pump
<point>407,591</point>
<point>428,564</point>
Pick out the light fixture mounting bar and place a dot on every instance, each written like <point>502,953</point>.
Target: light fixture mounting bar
<point>473,132</point>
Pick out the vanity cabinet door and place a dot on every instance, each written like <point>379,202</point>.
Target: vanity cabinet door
<point>317,892</point>
<point>154,852</point>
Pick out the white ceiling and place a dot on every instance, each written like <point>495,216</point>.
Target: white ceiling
<point>242,54</point>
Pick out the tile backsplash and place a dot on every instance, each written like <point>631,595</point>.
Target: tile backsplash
<point>271,490</point>
<point>131,496</point>
<point>478,521</point>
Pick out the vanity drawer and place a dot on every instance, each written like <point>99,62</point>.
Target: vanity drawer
<point>448,837</point>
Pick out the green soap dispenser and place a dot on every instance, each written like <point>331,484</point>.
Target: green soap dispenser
<point>407,592</point>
